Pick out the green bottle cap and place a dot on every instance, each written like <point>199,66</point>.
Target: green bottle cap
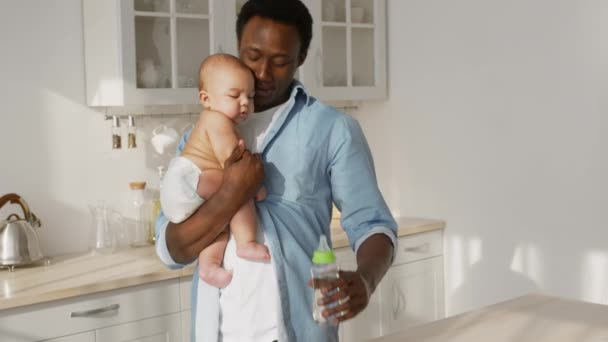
<point>323,254</point>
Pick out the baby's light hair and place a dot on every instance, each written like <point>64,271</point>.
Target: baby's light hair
<point>214,63</point>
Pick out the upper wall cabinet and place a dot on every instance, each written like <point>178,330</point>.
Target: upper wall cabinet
<point>347,55</point>
<point>147,52</point>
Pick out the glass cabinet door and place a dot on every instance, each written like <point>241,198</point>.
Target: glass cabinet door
<point>348,43</point>
<point>172,37</point>
<point>346,60</point>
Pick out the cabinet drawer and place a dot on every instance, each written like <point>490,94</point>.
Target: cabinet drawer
<point>60,318</point>
<point>419,246</point>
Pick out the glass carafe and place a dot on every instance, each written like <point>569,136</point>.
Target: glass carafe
<point>102,239</point>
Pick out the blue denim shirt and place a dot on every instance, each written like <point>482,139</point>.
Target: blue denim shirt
<point>313,155</point>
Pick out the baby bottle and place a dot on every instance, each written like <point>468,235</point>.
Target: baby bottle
<point>324,268</point>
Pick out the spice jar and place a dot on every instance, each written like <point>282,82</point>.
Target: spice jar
<point>131,137</point>
<point>116,138</point>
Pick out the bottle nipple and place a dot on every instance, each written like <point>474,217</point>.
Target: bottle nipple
<point>323,246</point>
<point>323,254</point>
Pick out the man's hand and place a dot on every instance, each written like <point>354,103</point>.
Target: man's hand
<point>351,293</point>
<point>243,173</point>
<point>355,288</point>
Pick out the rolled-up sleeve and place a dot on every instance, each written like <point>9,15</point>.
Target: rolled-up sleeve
<point>354,186</point>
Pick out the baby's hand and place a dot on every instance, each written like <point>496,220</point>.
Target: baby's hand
<point>261,195</point>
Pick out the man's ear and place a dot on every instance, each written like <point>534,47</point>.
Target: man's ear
<point>302,58</point>
<point>203,98</point>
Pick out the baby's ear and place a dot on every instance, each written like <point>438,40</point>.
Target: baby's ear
<point>203,97</point>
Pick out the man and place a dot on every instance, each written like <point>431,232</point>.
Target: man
<point>310,155</point>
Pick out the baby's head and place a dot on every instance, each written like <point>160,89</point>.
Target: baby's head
<point>226,85</point>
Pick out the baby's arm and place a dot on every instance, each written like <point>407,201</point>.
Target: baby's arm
<point>222,135</point>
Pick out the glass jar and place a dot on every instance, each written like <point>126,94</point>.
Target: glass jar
<point>139,215</point>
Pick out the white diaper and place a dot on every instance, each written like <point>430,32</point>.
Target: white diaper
<point>178,197</point>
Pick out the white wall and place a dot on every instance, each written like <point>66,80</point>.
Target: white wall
<point>498,123</point>
<point>54,150</point>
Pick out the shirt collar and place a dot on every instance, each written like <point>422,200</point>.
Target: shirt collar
<point>298,88</point>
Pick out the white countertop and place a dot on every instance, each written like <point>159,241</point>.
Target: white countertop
<point>76,275</point>
<point>531,318</point>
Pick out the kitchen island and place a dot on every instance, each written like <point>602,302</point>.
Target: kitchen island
<point>531,318</point>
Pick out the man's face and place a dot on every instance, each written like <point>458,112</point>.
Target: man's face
<point>272,50</point>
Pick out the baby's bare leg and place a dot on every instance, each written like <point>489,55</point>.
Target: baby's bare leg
<point>243,226</point>
<point>210,260</point>
<point>210,268</point>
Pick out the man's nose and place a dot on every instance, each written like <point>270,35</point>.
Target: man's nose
<point>263,71</point>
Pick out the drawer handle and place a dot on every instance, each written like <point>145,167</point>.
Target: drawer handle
<point>424,248</point>
<point>94,312</point>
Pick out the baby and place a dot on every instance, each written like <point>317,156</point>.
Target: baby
<point>226,90</point>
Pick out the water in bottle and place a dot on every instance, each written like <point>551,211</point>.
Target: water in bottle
<point>324,268</point>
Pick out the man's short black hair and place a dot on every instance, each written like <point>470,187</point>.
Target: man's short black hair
<point>290,12</point>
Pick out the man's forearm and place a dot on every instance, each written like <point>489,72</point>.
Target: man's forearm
<point>374,259</point>
<point>187,239</point>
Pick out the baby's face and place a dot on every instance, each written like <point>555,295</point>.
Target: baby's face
<point>231,92</point>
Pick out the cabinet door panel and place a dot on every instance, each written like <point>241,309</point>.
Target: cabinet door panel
<point>158,329</point>
<point>347,55</point>
<point>412,294</point>
<point>186,325</point>
<point>366,325</point>
<point>87,313</point>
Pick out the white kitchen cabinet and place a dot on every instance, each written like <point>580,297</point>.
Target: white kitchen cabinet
<point>93,312</point>
<point>366,325</point>
<point>410,293</point>
<point>88,336</point>
<point>158,329</point>
<point>347,55</point>
<point>185,296</point>
<point>186,325</point>
<point>147,52</point>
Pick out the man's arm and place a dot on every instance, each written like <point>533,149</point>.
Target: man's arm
<point>364,216</point>
<point>243,174</point>
<point>374,258</point>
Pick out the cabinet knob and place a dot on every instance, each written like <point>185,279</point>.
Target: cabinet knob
<point>93,312</point>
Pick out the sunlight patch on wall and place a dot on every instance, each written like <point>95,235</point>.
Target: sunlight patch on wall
<point>594,277</point>
<point>475,252</point>
<point>456,263</point>
<point>526,260</point>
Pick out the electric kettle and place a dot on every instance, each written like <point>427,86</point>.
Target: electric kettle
<point>19,243</point>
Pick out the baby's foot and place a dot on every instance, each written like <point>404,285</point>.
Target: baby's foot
<point>253,251</point>
<point>213,274</point>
